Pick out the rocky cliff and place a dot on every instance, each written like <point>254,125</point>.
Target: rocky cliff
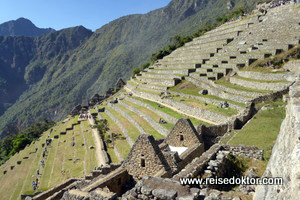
<point>285,159</point>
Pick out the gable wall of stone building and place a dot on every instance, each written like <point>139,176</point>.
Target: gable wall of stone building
<point>183,134</point>
<point>145,158</point>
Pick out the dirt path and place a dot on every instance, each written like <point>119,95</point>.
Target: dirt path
<point>100,154</point>
<point>173,108</point>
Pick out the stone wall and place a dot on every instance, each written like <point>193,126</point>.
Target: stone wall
<point>188,155</point>
<point>183,134</point>
<point>285,158</point>
<point>208,100</point>
<point>246,151</point>
<point>123,129</point>
<point>198,164</point>
<point>171,71</point>
<point>56,189</point>
<point>145,158</point>
<point>160,189</point>
<point>260,85</point>
<point>218,92</point>
<point>162,130</point>
<point>271,97</point>
<point>165,116</point>
<point>128,117</point>
<point>264,76</point>
<point>206,114</point>
<point>163,76</point>
<point>166,82</point>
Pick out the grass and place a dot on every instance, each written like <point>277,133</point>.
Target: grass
<point>171,112</point>
<point>259,81</point>
<point>277,61</point>
<point>120,141</point>
<point>148,91</point>
<point>150,113</point>
<point>143,123</point>
<point>211,107</point>
<point>262,70</point>
<point>187,87</point>
<point>112,155</point>
<point>225,83</point>
<point>132,131</point>
<point>18,181</point>
<point>91,161</point>
<point>263,129</point>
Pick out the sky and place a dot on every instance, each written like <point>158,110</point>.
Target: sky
<point>60,14</point>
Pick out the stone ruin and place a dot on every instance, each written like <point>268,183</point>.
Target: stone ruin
<point>183,134</point>
<point>97,99</point>
<point>120,84</point>
<point>153,167</point>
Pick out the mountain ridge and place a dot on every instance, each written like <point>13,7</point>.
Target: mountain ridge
<point>22,27</point>
<point>111,52</point>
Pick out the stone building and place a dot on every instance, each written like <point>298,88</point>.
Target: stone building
<point>120,84</point>
<point>109,92</point>
<point>76,110</point>
<point>145,158</point>
<point>183,134</point>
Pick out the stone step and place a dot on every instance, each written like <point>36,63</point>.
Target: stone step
<point>172,71</point>
<point>219,36</point>
<point>179,66</point>
<point>204,114</point>
<point>152,87</point>
<point>164,115</point>
<point>240,22</point>
<point>127,116</point>
<point>183,60</point>
<point>208,75</point>
<point>217,44</point>
<point>239,61</point>
<point>159,81</point>
<point>159,128</point>
<point>155,75</point>
<point>222,70</point>
<point>264,76</point>
<point>192,49</point>
<point>122,128</point>
<point>209,85</point>
<point>214,66</point>
<point>275,86</point>
<point>196,55</point>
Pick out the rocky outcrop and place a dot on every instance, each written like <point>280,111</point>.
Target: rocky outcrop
<point>285,159</point>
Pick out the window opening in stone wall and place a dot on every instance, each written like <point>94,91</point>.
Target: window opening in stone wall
<point>143,164</point>
<point>181,138</point>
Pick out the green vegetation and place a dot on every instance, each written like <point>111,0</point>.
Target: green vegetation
<point>15,143</point>
<point>207,106</point>
<point>171,112</point>
<point>132,130</point>
<point>263,129</point>
<point>225,83</point>
<point>73,64</point>
<point>119,139</point>
<point>142,122</point>
<point>187,87</point>
<point>102,127</point>
<point>259,81</point>
<point>151,114</point>
<point>277,61</point>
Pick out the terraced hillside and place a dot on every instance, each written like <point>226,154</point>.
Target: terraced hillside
<point>210,80</point>
<point>215,67</point>
<point>71,153</point>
